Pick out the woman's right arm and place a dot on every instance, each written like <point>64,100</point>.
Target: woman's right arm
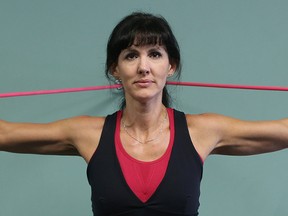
<point>54,138</point>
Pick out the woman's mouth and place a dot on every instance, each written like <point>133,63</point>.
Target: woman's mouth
<point>143,83</point>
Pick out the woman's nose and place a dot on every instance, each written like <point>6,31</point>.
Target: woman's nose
<point>143,67</point>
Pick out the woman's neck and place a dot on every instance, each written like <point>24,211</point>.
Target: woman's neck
<point>143,118</point>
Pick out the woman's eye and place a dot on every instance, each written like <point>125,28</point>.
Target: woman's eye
<point>131,56</point>
<point>155,55</point>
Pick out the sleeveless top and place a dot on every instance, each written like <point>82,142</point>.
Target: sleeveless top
<point>141,176</point>
<point>177,194</point>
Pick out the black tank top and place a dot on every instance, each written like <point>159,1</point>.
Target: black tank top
<point>177,194</point>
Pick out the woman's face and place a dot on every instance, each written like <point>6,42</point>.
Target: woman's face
<point>143,71</point>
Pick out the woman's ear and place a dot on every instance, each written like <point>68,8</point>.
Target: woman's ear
<point>114,71</point>
<point>171,70</point>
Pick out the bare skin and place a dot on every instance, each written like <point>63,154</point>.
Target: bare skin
<point>144,71</point>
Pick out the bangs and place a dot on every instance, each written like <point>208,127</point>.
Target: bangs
<point>141,32</point>
<point>145,35</point>
<point>145,38</point>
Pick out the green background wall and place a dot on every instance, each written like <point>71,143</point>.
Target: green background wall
<point>61,44</point>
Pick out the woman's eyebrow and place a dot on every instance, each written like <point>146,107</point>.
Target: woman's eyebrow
<point>156,48</point>
<point>129,49</point>
<point>136,49</point>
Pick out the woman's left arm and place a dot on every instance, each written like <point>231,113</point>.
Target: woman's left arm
<point>237,137</point>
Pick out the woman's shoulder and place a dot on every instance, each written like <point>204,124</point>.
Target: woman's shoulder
<point>205,119</point>
<point>88,120</point>
<point>84,122</point>
<point>204,130</point>
<point>85,131</point>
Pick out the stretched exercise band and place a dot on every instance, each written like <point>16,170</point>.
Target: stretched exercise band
<point>94,88</point>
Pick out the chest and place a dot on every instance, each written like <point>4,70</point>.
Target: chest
<point>150,151</point>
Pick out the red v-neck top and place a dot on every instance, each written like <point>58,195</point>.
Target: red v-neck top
<point>143,178</point>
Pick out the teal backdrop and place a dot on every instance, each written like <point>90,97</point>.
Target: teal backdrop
<point>61,44</point>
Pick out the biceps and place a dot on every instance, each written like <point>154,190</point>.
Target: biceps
<point>248,138</point>
<point>35,139</point>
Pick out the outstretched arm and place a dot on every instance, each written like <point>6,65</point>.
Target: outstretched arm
<point>50,138</point>
<point>249,138</point>
<point>217,134</point>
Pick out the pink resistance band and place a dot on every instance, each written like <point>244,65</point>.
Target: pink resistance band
<point>94,88</point>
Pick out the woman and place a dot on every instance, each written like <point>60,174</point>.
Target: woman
<point>145,159</point>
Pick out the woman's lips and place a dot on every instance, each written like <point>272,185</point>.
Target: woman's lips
<point>143,83</point>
